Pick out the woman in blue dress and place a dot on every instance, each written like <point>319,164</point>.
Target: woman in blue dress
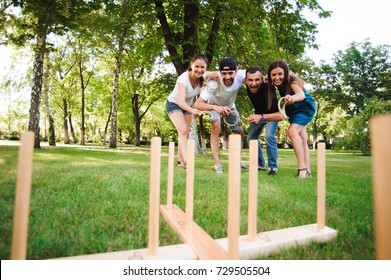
<point>299,107</point>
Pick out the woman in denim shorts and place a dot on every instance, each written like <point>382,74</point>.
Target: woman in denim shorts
<point>188,85</point>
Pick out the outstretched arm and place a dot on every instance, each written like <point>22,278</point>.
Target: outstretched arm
<point>298,96</point>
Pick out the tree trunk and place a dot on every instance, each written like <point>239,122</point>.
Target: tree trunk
<point>191,15</point>
<point>82,125</point>
<point>137,134</point>
<point>114,103</point>
<point>74,140</point>
<point>202,136</point>
<point>65,118</point>
<point>137,119</point>
<point>106,128</point>
<point>34,115</point>
<point>52,135</point>
<point>194,135</point>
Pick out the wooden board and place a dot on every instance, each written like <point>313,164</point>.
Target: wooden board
<point>203,245</point>
<point>272,242</point>
<point>172,252</point>
<point>266,243</point>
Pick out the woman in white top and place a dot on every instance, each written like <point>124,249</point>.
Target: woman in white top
<point>188,85</point>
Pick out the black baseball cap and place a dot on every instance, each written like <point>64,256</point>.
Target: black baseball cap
<point>228,63</point>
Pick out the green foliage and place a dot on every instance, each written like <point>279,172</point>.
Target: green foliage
<point>360,73</point>
<point>52,16</point>
<point>255,33</point>
<point>358,130</point>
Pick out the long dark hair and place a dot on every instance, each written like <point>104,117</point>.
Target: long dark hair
<point>196,57</point>
<point>285,87</point>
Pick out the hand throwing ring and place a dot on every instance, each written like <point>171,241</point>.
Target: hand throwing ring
<point>236,117</point>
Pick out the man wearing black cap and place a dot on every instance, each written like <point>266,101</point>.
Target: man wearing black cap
<point>218,98</point>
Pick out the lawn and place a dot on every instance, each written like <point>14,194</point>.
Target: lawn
<point>94,200</point>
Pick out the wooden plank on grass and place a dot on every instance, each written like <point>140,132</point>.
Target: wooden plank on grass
<point>273,242</point>
<point>171,252</point>
<point>204,246</point>
<point>266,243</point>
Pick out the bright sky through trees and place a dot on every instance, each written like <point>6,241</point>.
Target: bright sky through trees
<point>351,20</point>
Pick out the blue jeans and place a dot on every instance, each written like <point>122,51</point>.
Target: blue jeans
<point>271,143</point>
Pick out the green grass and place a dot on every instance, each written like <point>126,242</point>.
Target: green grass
<point>87,201</point>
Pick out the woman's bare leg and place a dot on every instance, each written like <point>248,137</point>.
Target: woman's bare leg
<point>180,122</point>
<point>297,143</point>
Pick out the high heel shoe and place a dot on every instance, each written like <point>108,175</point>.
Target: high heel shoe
<point>181,164</point>
<point>307,174</point>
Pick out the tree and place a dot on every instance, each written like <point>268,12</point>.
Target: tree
<point>358,130</point>
<point>358,74</point>
<point>114,25</point>
<point>84,54</point>
<point>6,19</point>
<point>63,83</point>
<point>51,134</point>
<point>40,18</point>
<point>250,32</point>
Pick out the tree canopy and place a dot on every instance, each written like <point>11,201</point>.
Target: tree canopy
<point>112,63</point>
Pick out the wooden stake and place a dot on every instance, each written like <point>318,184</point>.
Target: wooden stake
<point>321,203</point>
<point>381,162</point>
<point>190,183</point>
<point>234,195</point>
<point>154,196</point>
<point>170,175</point>
<point>22,197</point>
<point>253,190</point>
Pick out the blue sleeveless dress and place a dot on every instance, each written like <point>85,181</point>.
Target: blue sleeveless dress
<point>301,112</point>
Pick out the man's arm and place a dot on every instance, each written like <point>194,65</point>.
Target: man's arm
<point>255,119</point>
<point>201,105</point>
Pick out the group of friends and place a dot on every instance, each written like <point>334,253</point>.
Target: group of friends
<point>218,99</point>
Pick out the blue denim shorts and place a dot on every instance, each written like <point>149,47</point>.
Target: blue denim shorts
<point>172,107</point>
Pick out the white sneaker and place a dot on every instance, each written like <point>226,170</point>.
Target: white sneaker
<point>243,166</point>
<point>218,169</point>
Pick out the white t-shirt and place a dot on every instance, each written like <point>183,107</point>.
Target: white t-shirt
<point>224,96</point>
<point>190,92</point>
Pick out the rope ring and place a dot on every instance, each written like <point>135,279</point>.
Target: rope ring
<point>207,114</point>
<point>281,108</point>
<point>236,116</point>
<point>213,86</point>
